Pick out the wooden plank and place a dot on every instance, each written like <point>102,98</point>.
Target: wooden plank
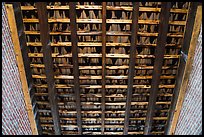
<point>74,41</point>
<point>131,69</point>
<point>81,55</point>
<point>96,44</point>
<point>47,59</point>
<point>99,86</point>
<point>103,82</point>
<point>159,57</point>
<point>20,63</point>
<point>126,8</point>
<point>194,22</point>
<point>108,33</point>
<point>112,21</point>
<point>100,77</point>
<point>100,67</point>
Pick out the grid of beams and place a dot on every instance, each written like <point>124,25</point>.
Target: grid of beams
<point>104,69</point>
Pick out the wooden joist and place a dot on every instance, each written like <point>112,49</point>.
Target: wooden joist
<point>103,66</point>
<point>194,22</point>
<point>159,57</point>
<point>47,58</point>
<point>21,66</point>
<point>132,64</point>
<point>74,40</point>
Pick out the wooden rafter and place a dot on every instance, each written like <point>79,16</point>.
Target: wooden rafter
<point>74,41</point>
<point>159,57</point>
<point>47,58</point>
<point>194,22</point>
<point>22,62</point>
<point>131,69</point>
<point>103,66</point>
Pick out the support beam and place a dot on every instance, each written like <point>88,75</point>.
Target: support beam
<point>194,22</point>
<point>47,59</point>
<point>74,41</point>
<point>131,69</point>
<point>159,57</point>
<point>103,66</point>
<point>22,61</point>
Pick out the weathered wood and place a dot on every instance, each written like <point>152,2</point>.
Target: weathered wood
<point>99,86</point>
<point>159,57</point>
<point>47,58</point>
<point>74,41</point>
<point>21,68</point>
<point>100,67</point>
<point>194,22</point>
<point>57,55</point>
<point>150,22</point>
<point>95,44</point>
<point>110,104</point>
<point>100,77</point>
<point>146,9</point>
<point>134,31</point>
<point>108,33</point>
<point>103,67</point>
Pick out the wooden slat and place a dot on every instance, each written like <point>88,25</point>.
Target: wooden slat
<point>131,69</point>
<point>21,68</point>
<point>150,22</point>
<point>100,77</point>
<point>108,33</point>
<point>103,67</point>
<point>100,67</point>
<point>99,86</point>
<point>74,41</point>
<point>159,57</point>
<point>96,44</point>
<point>126,8</point>
<point>194,22</point>
<point>81,55</point>
<point>47,59</point>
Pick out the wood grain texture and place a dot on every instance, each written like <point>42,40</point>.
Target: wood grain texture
<point>159,56</point>
<point>47,58</point>
<point>74,41</point>
<point>20,63</point>
<point>190,41</point>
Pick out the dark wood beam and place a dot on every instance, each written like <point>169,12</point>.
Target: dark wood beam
<point>103,66</point>
<point>74,41</point>
<point>184,67</point>
<point>159,57</point>
<point>47,59</point>
<point>131,69</point>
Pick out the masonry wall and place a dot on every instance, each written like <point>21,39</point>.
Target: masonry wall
<point>190,119</point>
<point>14,115</point>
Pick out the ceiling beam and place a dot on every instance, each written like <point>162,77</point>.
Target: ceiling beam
<point>131,69</point>
<point>74,41</point>
<point>103,66</point>
<point>47,59</point>
<point>193,24</point>
<point>159,57</point>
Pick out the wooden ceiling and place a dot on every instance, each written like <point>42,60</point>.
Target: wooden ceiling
<point>103,67</point>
